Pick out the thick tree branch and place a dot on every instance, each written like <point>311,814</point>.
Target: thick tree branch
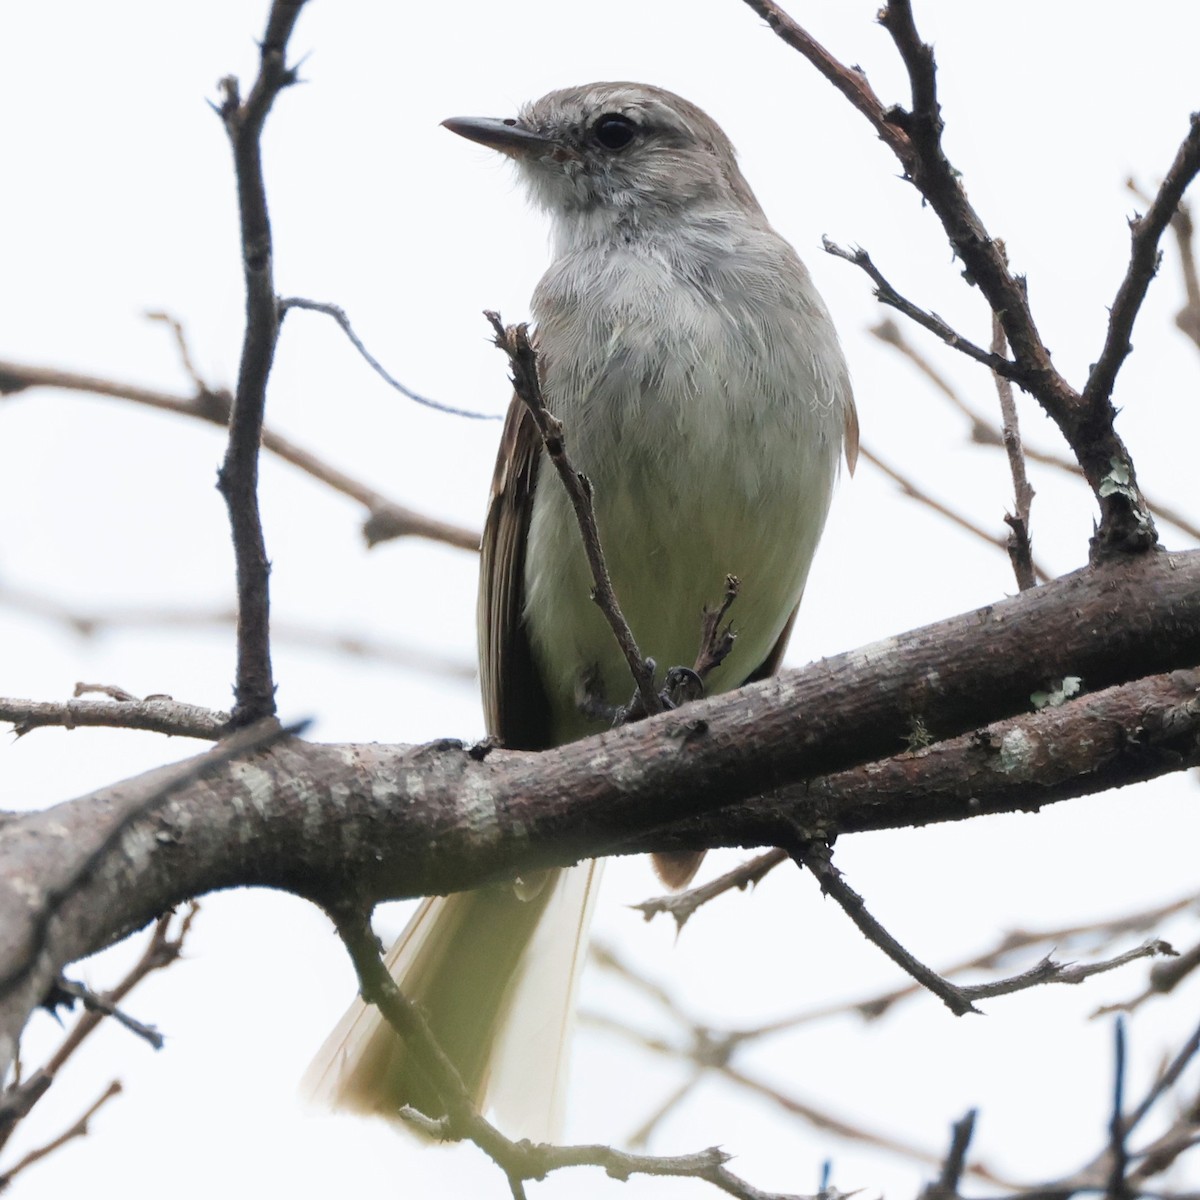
<point>423,820</point>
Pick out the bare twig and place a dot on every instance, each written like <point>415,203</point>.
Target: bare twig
<point>1188,317</point>
<point>1145,234</point>
<point>105,1007</point>
<point>89,623</point>
<point>1164,978</point>
<point>712,1052</point>
<point>78,1130</point>
<point>524,1160</point>
<point>819,861</point>
<point>175,325</point>
<point>157,715</point>
<point>343,322</point>
<point>873,1007</point>
<point>681,905</point>
<point>161,951</point>
<point>254,688</point>
<point>914,136</point>
<point>1166,1080</point>
<point>514,341</point>
<point>985,433</point>
<point>915,492</point>
<point>111,690</point>
<point>1049,971</point>
<point>1118,1188</point>
<point>958,998</point>
<point>387,519</point>
<point>946,1186</point>
<point>1019,548</point>
<point>645,1131</point>
<point>886,294</point>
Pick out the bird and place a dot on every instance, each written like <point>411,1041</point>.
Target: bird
<point>703,392</point>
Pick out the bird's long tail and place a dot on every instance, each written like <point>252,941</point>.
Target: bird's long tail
<point>496,977</point>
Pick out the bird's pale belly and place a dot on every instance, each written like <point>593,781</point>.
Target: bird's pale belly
<point>674,523</point>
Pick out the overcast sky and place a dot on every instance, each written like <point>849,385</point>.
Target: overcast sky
<point>119,198</point>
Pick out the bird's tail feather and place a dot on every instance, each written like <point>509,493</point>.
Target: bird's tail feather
<point>495,976</point>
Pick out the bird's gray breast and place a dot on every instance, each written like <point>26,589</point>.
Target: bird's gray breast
<point>699,394</point>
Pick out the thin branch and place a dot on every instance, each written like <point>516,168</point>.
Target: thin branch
<point>820,862</point>
<point>1164,978</point>
<point>1181,1135</point>
<point>1019,548</point>
<point>514,341</point>
<point>1118,1188</point>
<point>682,905</point>
<point>873,1007</point>
<point>105,1007</point>
<point>254,689</point>
<point>1166,1080</point>
<point>78,1130</point>
<point>645,1131</point>
<point>524,1160</point>
<point>712,1053</point>
<point>156,715</point>
<point>1145,234</point>
<point>386,519</point>
<point>914,492</point>
<point>1188,317</point>
<point>1049,971</point>
<point>947,1184</point>
<point>343,322</point>
<point>886,294</point>
<point>915,138</point>
<point>982,431</point>
<point>985,433</point>
<point>850,81</point>
<point>89,623</point>
<point>162,949</point>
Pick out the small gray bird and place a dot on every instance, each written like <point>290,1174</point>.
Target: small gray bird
<point>703,392</point>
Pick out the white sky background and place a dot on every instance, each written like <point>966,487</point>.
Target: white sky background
<point>119,197</point>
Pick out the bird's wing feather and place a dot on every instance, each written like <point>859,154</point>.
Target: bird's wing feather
<point>515,705</point>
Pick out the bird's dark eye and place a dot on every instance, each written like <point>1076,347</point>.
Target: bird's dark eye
<point>614,131</point>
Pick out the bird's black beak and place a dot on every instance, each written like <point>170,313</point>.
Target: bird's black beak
<point>508,136</point>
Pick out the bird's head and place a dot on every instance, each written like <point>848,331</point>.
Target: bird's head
<point>616,153</point>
